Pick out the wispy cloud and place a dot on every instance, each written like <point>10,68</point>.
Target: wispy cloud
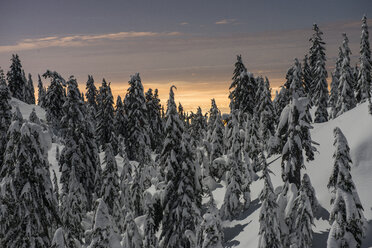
<point>225,21</point>
<point>78,40</point>
<point>184,23</point>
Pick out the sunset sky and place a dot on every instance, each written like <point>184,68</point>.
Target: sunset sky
<point>192,44</point>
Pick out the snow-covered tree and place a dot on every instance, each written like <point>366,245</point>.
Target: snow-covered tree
<point>5,115</point>
<point>182,193</point>
<point>363,87</point>
<point>252,141</point>
<point>55,186</point>
<point>80,148</point>
<point>59,240</point>
<point>319,86</point>
<point>333,98</point>
<point>307,187</point>
<point>73,209</point>
<point>105,118</point>
<point>137,127</point>
<point>132,238</point>
<point>267,115</point>
<point>150,240</point>
<point>300,221</point>
<point>110,186</point>
<point>29,207</point>
<point>231,206</point>
<point>41,93</point>
<point>211,235</point>
<point>281,100</point>
<point>198,126</point>
<point>217,147</point>
<point>120,119</point>
<point>269,231</point>
<point>242,89</point>
<point>346,99</point>
<point>307,77</point>
<point>91,93</point>
<point>29,94</point>
<point>213,112</point>
<point>16,81</point>
<point>346,218</point>
<point>54,98</point>
<point>102,233</point>
<point>154,119</point>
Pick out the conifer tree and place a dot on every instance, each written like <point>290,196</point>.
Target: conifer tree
<point>105,118</point>
<point>150,240</point>
<point>333,98</point>
<point>310,192</point>
<point>182,193</point>
<point>54,98</point>
<point>41,93</point>
<point>154,119</point>
<point>267,115</point>
<point>16,81</point>
<point>102,234</point>
<point>5,115</point>
<point>198,126</point>
<point>91,93</point>
<point>243,88</point>
<point>120,118</point>
<point>307,77</point>
<point>213,113</point>
<point>110,186</point>
<point>135,105</point>
<point>55,186</point>
<point>231,206</point>
<point>363,88</point>
<point>80,148</point>
<point>31,208</point>
<point>132,237</point>
<point>280,102</point>
<point>59,240</point>
<point>346,218</point>
<point>319,86</point>
<point>216,146</point>
<point>302,220</point>
<point>73,209</point>
<point>30,91</point>
<point>211,228</point>
<point>346,99</point>
<point>181,114</point>
<point>269,231</point>
<point>252,144</point>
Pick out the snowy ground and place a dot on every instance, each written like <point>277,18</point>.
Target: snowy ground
<point>356,124</point>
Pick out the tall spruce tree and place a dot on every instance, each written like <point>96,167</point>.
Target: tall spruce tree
<point>346,99</point>
<point>41,93</point>
<point>198,126</point>
<point>269,231</point>
<point>54,99</point>
<point>120,120</point>
<point>28,200</point>
<point>137,129</point>
<point>213,112</point>
<point>110,187</point>
<point>105,118</point>
<point>30,91</point>
<point>5,115</point>
<point>16,81</point>
<point>154,119</point>
<point>363,88</point>
<point>319,76</point>
<point>102,233</point>
<point>333,98</point>
<point>182,193</point>
<point>242,89</point>
<point>346,218</point>
<point>80,148</point>
<point>73,210</point>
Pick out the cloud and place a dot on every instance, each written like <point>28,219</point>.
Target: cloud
<point>78,40</point>
<point>225,21</point>
<point>184,23</point>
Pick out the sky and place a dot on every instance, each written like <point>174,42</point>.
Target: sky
<point>191,44</point>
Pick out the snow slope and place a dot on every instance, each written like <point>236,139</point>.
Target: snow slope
<point>356,124</point>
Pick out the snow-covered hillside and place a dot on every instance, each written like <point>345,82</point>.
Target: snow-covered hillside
<point>243,232</point>
<point>356,124</point>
